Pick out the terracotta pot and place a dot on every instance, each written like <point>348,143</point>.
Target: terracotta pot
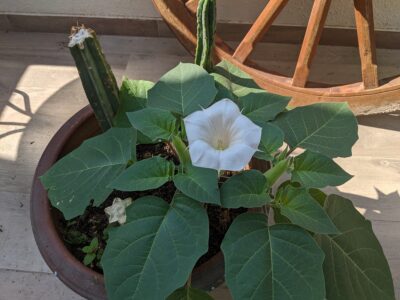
<point>65,266</point>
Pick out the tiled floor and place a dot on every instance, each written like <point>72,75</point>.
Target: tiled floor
<point>40,90</point>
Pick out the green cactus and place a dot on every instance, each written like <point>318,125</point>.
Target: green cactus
<point>206,25</point>
<point>96,75</point>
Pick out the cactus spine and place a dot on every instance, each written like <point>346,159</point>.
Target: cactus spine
<point>96,75</point>
<point>206,25</point>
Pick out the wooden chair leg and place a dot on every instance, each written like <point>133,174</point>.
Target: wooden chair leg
<point>259,28</point>
<point>366,42</point>
<point>312,36</point>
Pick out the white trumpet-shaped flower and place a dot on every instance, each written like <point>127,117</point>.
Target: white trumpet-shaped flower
<point>116,212</point>
<point>221,138</point>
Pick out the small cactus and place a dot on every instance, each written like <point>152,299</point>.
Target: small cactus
<point>96,75</point>
<point>206,25</point>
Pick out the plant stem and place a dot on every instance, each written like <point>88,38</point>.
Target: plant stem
<point>180,149</point>
<point>277,171</point>
<point>265,210</point>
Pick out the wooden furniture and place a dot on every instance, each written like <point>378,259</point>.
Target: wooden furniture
<point>367,97</point>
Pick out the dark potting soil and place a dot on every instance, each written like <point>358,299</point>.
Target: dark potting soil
<point>80,231</point>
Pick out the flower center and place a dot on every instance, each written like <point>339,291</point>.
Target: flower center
<point>221,143</point>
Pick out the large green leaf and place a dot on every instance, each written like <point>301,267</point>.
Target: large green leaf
<point>326,128</point>
<point>275,262</point>
<point>183,90</point>
<point>200,184</point>
<point>355,266</point>
<point>246,189</point>
<point>262,106</point>
<point>83,174</point>
<point>189,293</point>
<point>157,124</point>
<point>132,97</point>
<point>318,195</point>
<point>271,140</point>
<point>301,209</point>
<point>155,251</point>
<point>316,170</point>
<point>233,83</point>
<point>145,174</point>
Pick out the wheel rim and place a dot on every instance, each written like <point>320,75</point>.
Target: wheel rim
<point>366,97</point>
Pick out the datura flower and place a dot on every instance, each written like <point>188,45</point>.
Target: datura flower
<point>116,212</point>
<point>221,138</point>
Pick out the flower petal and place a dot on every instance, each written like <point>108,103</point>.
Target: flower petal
<point>204,156</point>
<point>197,128</point>
<point>244,131</point>
<point>223,113</point>
<point>236,157</point>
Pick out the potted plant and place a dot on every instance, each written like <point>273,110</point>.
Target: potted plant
<point>173,172</point>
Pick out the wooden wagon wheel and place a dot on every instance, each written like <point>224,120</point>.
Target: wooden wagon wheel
<point>367,97</point>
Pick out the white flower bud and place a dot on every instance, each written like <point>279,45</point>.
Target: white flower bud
<point>116,212</point>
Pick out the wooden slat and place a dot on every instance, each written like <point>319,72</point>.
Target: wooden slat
<point>192,5</point>
<point>259,28</point>
<point>366,42</point>
<point>312,36</point>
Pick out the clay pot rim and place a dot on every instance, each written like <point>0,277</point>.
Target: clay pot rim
<point>60,260</point>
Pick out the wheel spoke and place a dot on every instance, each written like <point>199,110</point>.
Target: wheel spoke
<point>259,28</point>
<point>192,5</point>
<point>366,42</point>
<point>311,39</point>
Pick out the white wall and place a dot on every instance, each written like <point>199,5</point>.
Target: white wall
<point>387,12</point>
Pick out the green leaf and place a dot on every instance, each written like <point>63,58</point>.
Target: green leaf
<point>355,266</point>
<point>318,196</point>
<point>275,262</point>
<point>84,174</point>
<point>132,97</point>
<point>153,122</point>
<point>279,218</point>
<point>155,251</point>
<point>233,83</point>
<point>301,209</point>
<point>262,106</point>
<point>89,258</point>
<point>271,140</point>
<point>316,170</point>
<point>326,128</point>
<point>145,174</point>
<point>246,189</point>
<point>183,90</point>
<point>94,243</point>
<point>87,249</point>
<point>200,184</point>
<point>189,293</point>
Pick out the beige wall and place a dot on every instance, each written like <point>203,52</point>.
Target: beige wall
<point>387,12</point>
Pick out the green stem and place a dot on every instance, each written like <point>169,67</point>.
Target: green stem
<point>277,171</point>
<point>189,281</point>
<point>180,149</point>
